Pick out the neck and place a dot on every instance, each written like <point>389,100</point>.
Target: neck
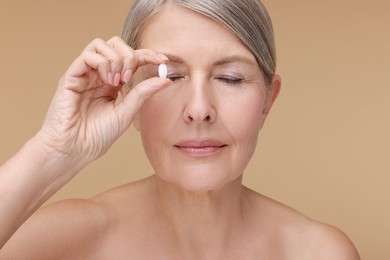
<point>202,221</point>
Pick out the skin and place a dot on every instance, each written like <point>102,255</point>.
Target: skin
<point>194,206</point>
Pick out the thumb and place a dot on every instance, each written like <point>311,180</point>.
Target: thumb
<point>134,100</point>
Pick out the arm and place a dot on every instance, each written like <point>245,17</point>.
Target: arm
<point>67,229</point>
<point>27,180</point>
<point>83,121</point>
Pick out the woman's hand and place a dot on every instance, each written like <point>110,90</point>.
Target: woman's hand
<point>85,117</point>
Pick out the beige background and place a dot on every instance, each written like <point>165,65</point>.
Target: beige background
<point>325,148</point>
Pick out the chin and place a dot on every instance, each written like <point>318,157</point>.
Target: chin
<point>200,181</point>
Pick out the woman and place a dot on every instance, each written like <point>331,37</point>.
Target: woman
<point>199,129</point>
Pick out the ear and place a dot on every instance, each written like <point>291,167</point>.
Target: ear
<point>272,93</point>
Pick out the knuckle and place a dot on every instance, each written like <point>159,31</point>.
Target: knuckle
<point>114,58</point>
<point>102,61</point>
<point>130,59</point>
<point>116,38</point>
<point>116,41</point>
<point>95,42</point>
<point>117,61</point>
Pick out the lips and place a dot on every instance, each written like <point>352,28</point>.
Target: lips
<point>200,148</point>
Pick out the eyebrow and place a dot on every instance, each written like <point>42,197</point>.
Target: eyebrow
<point>234,58</point>
<point>223,61</point>
<point>174,59</point>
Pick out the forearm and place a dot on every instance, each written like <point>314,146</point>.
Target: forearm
<point>27,180</point>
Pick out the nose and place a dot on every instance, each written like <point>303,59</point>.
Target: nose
<point>199,103</point>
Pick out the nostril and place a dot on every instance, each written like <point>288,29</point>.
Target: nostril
<point>199,110</point>
<point>205,119</point>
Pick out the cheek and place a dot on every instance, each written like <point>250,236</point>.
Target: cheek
<point>157,115</point>
<point>152,126</point>
<point>149,118</point>
<point>246,114</point>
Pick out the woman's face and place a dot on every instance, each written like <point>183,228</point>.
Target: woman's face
<point>200,132</point>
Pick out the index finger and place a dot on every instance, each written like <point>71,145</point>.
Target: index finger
<point>132,59</point>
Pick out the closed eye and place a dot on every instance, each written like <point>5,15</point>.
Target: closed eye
<point>230,80</point>
<point>175,77</point>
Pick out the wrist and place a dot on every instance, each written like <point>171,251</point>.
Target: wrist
<point>48,164</point>
<point>55,154</point>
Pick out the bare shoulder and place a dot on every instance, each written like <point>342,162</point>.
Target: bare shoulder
<point>61,230</point>
<point>298,236</point>
<point>80,228</point>
<point>126,192</point>
<point>328,242</point>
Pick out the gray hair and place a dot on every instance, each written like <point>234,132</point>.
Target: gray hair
<point>247,19</point>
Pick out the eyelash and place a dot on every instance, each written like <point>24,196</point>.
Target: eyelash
<point>173,78</point>
<point>227,80</point>
<point>230,80</point>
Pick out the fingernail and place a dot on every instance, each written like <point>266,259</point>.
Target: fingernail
<point>127,75</point>
<point>117,79</point>
<point>109,77</point>
<point>163,57</point>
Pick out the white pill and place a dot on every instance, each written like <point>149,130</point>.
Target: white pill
<point>162,70</point>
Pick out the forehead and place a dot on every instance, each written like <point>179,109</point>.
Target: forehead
<point>176,28</point>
